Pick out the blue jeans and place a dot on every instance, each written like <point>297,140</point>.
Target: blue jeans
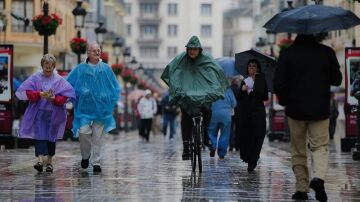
<point>169,119</point>
<point>223,143</point>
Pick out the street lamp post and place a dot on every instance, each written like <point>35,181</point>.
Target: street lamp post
<point>117,45</point>
<point>46,34</point>
<point>100,31</point>
<point>126,54</point>
<point>290,7</point>
<point>79,14</point>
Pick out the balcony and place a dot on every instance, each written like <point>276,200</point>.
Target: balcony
<point>149,1</point>
<point>152,18</point>
<point>147,40</point>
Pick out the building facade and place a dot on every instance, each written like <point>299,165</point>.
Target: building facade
<point>157,30</point>
<point>28,44</point>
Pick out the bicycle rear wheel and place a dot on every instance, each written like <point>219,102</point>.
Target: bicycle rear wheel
<point>198,146</point>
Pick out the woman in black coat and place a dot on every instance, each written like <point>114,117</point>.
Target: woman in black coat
<point>253,115</point>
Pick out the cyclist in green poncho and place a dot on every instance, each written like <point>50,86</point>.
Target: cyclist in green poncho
<point>195,81</point>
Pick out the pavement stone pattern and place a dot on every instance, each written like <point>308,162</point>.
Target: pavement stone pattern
<point>134,170</point>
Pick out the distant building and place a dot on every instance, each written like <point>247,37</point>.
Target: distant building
<point>157,30</point>
<point>238,30</point>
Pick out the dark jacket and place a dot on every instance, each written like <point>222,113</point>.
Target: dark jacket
<point>168,108</point>
<point>303,77</point>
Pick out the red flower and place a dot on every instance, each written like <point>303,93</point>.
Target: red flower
<point>78,45</point>
<point>117,68</point>
<point>46,24</point>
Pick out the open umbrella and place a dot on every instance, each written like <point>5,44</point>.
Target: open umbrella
<point>312,19</point>
<point>268,64</point>
<point>228,65</point>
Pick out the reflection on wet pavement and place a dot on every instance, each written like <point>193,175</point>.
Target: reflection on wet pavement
<point>137,171</point>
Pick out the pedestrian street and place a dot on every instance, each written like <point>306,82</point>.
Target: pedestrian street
<point>134,170</point>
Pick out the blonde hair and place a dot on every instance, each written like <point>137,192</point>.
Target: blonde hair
<point>48,58</point>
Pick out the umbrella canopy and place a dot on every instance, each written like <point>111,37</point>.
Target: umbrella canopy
<point>312,19</point>
<point>228,65</point>
<point>268,64</point>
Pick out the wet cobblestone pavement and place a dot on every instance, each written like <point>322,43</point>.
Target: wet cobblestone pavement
<point>137,171</point>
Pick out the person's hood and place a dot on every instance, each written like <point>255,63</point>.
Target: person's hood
<point>194,42</point>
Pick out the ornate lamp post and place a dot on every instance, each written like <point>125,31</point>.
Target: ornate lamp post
<point>117,45</point>
<point>46,35</point>
<point>126,54</point>
<point>100,31</point>
<point>290,7</point>
<point>79,14</point>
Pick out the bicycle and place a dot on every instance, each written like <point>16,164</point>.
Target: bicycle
<point>196,143</point>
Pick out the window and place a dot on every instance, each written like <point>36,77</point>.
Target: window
<point>21,9</point>
<point>172,9</point>
<point>207,49</point>
<point>206,30</point>
<point>149,52</point>
<point>172,30</point>
<point>128,8</point>
<point>148,31</point>
<point>128,29</point>
<point>148,9</point>
<point>2,4</point>
<point>206,9</point>
<point>172,51</point>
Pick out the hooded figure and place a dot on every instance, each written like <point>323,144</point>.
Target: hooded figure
<point>195,81</point>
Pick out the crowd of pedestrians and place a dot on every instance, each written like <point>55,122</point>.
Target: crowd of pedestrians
<point>233,110</point>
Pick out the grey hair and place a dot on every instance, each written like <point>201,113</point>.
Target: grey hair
<point>92,44</point>
<point>48,58</point>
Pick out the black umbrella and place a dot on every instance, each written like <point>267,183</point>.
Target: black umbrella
<point>312,19</point>
<point>268,64</point>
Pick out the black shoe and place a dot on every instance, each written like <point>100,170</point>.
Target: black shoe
<point>39,167</point>
<point>317,185</point>
<point>49,168</point>
<point>186,151</point>
<point>85,163</point>
<point>96,169</point>
<point>299,195</point>
<point>251,167</point>
<point>185,155</point>
<point>212,152</point>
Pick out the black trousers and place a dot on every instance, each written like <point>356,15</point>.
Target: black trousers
<point>145,128</point>
<point>186,125</point>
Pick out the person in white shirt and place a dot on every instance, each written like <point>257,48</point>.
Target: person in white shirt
<point>147,108</point>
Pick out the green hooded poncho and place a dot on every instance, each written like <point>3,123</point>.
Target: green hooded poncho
<point>194,83</point>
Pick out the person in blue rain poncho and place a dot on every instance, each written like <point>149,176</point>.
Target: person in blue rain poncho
<point>222,111</point>
<point>97,92</point>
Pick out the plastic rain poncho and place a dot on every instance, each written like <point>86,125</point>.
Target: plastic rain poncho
<point>194,83</point>
<point>97,92</point>
<point>42,119</point>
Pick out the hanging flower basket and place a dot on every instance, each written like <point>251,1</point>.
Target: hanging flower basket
<point>126,75</point>
<point>285,43</point>
<point>46,24</point>
<point>78,45</point>
<point>117,68</point>
<point>134,79</point>
<point>105,57</point>
<point>141,85</point>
